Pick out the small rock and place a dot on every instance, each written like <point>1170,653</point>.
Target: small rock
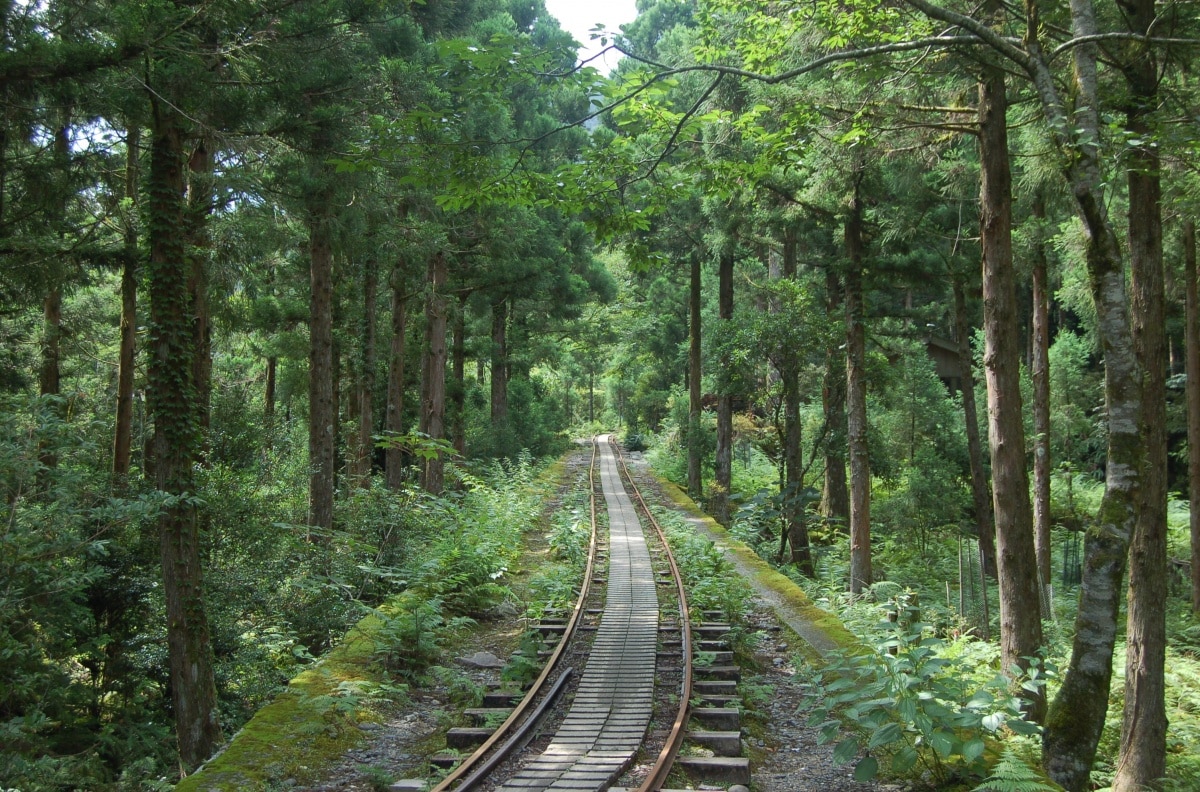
<point>369,726</point>
<point>482,660</point>
<point>505,610</point>
<point>739,788</point>
<point>408,785</point>
<point>781,647</point>
<point>778,661</point>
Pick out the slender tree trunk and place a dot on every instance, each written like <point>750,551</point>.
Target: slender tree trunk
<point>980,493</point>
<point>500,368</point>
<point>695,477</point>
<point>269,391</point>
<point>1020,611</point>
<point>366,376</point>
<point>172,404</point>
<point>789,375</point>
<point>856,399</point>
<point>1142,761</point>
<point>322,422</point>
<point>458,393</point>
<point>723,468</point>
<point>199,209</point>
<point>394,420</point>
<point>835,495</point>
<point>433,380</point>
<point>123,428</point>
<point>1039,373</point>
<point>1076,718</point>
<point>1192,357</point>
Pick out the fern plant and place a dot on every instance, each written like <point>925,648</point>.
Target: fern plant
<point>1012,774</point>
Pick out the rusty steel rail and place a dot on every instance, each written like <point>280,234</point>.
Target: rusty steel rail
<point>472,769</point>
<point>666,758</point>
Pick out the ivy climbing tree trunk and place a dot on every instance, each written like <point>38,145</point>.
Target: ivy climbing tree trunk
<point>856,396</point>
<point>981,494</point>
<point>322,421</point>
<point>126,357</point>
<point>394,419</point>
<point>433,372</point>
<point>723,468</point>
<point>200,205</point>
<point>1020,611</point>
<point>1142,758</point>
<point>695,448</point>
<point>171,399</point>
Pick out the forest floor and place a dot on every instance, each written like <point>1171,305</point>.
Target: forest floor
<point>784,750</point>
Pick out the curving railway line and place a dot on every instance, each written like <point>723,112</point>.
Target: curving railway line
<point>581,729</point>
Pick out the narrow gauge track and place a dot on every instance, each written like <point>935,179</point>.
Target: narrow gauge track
<point>613,702</point>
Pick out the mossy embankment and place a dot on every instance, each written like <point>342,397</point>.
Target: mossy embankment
<point>822,631</point>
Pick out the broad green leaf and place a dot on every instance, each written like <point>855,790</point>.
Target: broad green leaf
<point>865,770</point>
<point>845,750</point>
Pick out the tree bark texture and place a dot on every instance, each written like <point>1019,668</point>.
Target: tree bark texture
<point>695,477</point>
<point>856,397</point>
<point>500,366</point>
<point>172,404</point>
<point>199,208</point>
<point>1142,759</point>
<point>793,456</point>
<point>1039,373</point>
<point>1020,596</point>
<point>1192,357</point>
<point>126,360</point>
<point>458,395</point>
<point>366,376</point>
<point>322,460</point>
<point>394,420</point>
<point>433,380</point>
<point>723,472</point>
<point>1076,717</point>
<point>835,494</point>
<point>985,526</point>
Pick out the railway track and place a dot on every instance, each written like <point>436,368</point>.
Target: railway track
<point>582,728</point>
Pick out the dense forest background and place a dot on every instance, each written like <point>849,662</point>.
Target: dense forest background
<point>904,293</point>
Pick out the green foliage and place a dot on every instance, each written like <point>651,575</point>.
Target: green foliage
<point>920,703</point>
<point>1012,774</point>
<point>411,632</point>
<point>524,665</point>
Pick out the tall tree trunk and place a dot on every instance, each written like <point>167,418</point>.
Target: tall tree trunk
<point>500,368</point>
<point>980,493</point>
<point>172,404</point>
<point>433,379</point>
<point>1143,754</point>
<point>199,209</point>
<point>366,376</point>
<point>835,494</point>
<point>1192,357</point>
<point>394,420</point>
<point>789,375</point>
<point>1039,373</point>
<point>49,373</point>
<point>695,448</point>
<point>1076,717</point>
<point>269,391</point>
<point>1020,611</point>
<point>723,468</point>
<point>322,420</point>
<point>458,394</point>
<point>856,397</point>
<point>123,425</point>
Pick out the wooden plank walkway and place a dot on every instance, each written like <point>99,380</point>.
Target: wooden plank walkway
<point>613,703</point>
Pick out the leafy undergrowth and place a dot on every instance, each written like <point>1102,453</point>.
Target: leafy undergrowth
<point>461,577</point>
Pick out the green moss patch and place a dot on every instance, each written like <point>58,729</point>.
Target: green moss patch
<point>822,631</point>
